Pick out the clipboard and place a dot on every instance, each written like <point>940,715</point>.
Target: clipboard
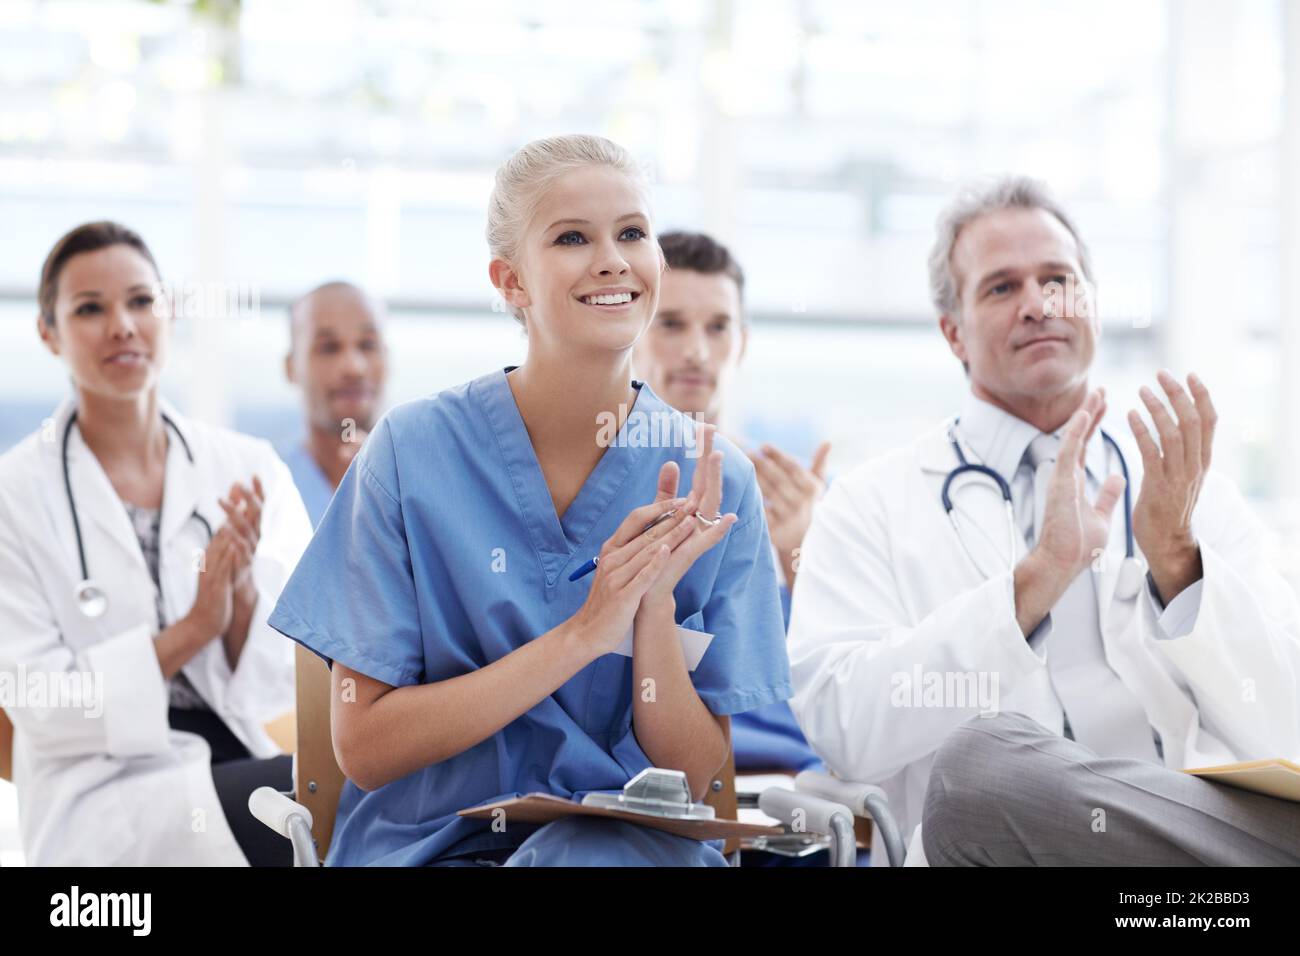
<point>656,797</point>
<point>1273,777</point>
<point>545,808</point>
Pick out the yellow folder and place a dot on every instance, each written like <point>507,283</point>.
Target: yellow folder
<point>1275,777</point>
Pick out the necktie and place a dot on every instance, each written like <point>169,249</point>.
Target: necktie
<point>1101,712</point>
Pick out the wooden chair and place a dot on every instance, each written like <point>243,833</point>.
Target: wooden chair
<point>318,779</point>
<point>722,798</point>
<point>6,747</point>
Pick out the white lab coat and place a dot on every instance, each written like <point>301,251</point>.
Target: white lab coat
<point>884,586</point>
<point>123,788</point>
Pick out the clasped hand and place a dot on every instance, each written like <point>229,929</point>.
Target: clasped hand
<point>639,568</point>
<point>1075,530</point>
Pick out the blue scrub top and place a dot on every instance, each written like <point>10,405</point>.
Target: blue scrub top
<point>314,487</point>
<point>442,552</point>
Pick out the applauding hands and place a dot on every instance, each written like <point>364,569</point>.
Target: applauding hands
<point>653,549</point>
<point>789,493</point>
<point>1074,528</point>
<point>1171,484</point>
<point>1174,470</point>
<point>226,589</point>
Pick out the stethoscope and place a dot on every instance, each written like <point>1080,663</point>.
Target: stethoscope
<point>1130,571</point>
<point>90,597</point>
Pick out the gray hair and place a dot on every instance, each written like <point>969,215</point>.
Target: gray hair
<point>522,180</point>
<point>979,199</point>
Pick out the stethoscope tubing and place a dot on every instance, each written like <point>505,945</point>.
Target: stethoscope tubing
<point>967,467</point>
<point>72,504</point>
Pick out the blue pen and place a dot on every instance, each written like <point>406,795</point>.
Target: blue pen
<point>590,566</point>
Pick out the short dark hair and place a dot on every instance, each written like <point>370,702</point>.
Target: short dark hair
<point>88,237</point>
<point>333,285</point>
<point>701,253</point>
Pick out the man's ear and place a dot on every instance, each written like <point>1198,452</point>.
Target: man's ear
<point>952,332</point>
<point>289,373</point>
<point>744,341</point>
<point>49,335</point>
<point>506,280</point>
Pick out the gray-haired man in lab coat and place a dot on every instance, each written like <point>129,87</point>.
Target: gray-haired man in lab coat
<point>1114,672</point>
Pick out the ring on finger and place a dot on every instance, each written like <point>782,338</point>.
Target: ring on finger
<point>708,522</point>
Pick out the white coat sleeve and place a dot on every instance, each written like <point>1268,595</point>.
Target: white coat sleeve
<point>854,646</point>
<point>261,687</point>
<point>125,712</point>
<point>1241,658</point>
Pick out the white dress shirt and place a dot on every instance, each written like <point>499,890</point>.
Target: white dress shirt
<point>990,436</point>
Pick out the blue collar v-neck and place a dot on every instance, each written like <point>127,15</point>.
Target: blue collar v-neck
<point>558,540</point>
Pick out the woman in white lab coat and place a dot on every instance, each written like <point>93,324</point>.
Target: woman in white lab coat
<point>141,554</point>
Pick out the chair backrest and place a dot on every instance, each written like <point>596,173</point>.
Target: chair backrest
<point>722,798</point>
<point>318,779</point>
<point>6,747</point>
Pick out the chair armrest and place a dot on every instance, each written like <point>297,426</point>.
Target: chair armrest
<point>288,818</point>
<point>864,800</point>
<point>806,813</point>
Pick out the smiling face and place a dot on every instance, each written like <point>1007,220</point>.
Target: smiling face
<point>106,326</point>
<point>692,351</point>
<point>587,271</point>
<point>338,357</point>
<point>1025,340</point>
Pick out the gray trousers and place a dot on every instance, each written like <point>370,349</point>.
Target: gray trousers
<point>1005,791</point>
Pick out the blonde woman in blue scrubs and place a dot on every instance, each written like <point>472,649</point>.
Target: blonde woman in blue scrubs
<point>467,666</point>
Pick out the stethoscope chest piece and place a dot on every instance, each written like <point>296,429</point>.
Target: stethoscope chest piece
<point>91,599</point>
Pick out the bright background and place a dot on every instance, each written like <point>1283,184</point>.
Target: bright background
<point>269,145</point>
